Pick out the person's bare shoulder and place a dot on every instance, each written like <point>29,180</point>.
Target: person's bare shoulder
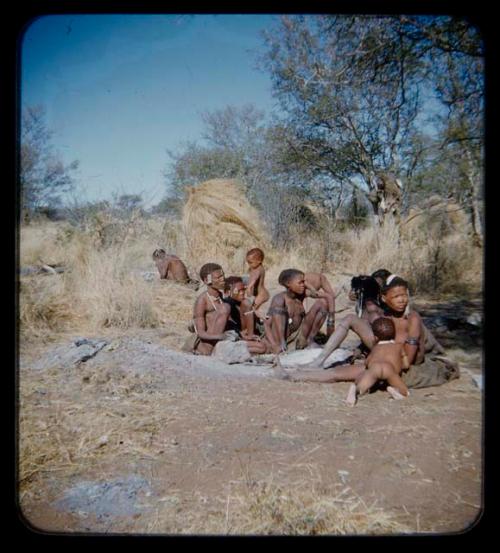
<point>200,302</point>
<point>414,317</point>
<point>278,300</point>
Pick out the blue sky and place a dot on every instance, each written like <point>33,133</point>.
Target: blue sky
<point>121,89</point>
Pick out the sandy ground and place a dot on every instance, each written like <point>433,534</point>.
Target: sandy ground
<point>136,441</point>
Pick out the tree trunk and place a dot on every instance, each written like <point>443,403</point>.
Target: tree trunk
<point>473,179</point>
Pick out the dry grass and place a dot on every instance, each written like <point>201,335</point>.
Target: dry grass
<point>59,438</point>
<point>265,508</point>
<point>102,287</point>
<point>431,263</point>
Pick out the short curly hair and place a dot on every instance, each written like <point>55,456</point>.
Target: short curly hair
<point>209,268</point>
<point>384,328</point>
<point>230,281</point>
<point>257,252</point>
<point>287,275</point>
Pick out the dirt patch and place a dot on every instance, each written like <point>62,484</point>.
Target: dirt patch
<point>143,439</point>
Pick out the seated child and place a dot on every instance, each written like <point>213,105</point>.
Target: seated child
<point>288,326</point>
<point>385,363</point>
<point>256,292</point>
<point>171,267</point>
<point>234,295</point>
<point>210,313</point>
<point>318,286</point>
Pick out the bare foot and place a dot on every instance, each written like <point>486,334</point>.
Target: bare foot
<point>352,395</point>
<point>394,393</point>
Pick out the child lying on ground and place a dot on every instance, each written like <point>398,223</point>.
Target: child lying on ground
<point>385,363</point>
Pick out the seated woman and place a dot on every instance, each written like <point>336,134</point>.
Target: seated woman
<point>410,331</point>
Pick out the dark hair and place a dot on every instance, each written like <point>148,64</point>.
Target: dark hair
<point>367,285</point>
<point>256,251</point>
<point>230,280</point>
<point>209,268</point>
<point>381,273</point>
<point>384,328</point>
<point>287,275</point>
<point>396,281</point>
<point>160,252</point>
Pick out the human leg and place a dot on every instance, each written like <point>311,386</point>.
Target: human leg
<point>352,395</point>
<point>368,379</point>
<point>314,319</point>
<point>247,319</point>
<point>342,373</point>
<point>396,387</point>
<point>360,326</point>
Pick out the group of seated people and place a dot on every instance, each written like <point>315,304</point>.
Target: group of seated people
<point>394,340</point>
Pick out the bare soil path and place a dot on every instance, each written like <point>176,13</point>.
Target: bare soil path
<point>138,439</point>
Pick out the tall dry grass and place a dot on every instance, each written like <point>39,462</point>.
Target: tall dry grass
<point>102,286</point>
<point>433,264</point>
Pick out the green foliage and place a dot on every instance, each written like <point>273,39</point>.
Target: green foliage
<point>43,176</point>
<point>355,91</point>
<point>126,204</point>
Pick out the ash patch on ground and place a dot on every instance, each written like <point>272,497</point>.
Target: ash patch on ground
<point>121,497</point>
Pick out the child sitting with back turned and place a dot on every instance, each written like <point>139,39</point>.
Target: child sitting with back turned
<point>385,363</point>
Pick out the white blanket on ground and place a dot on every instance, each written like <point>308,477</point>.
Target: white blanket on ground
<point>299,357</point>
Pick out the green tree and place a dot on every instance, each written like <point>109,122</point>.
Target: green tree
<point>43,176</point>
<point>355,91</point>
<point>126,204</point>
<point>238,142</point>
<point>350,102</point>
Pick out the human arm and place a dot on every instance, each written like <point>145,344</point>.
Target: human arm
<point>253,279</point>
<point>412,342</point>
<point>275,327</point>
<point>404,359</point>
<point>162,266</point>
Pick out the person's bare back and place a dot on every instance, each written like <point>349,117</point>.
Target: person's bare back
<point>386,354</point>
<point>170,266</point>
<point>384,363</point>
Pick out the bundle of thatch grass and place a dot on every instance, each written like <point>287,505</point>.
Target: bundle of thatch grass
<point>220,225</point>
